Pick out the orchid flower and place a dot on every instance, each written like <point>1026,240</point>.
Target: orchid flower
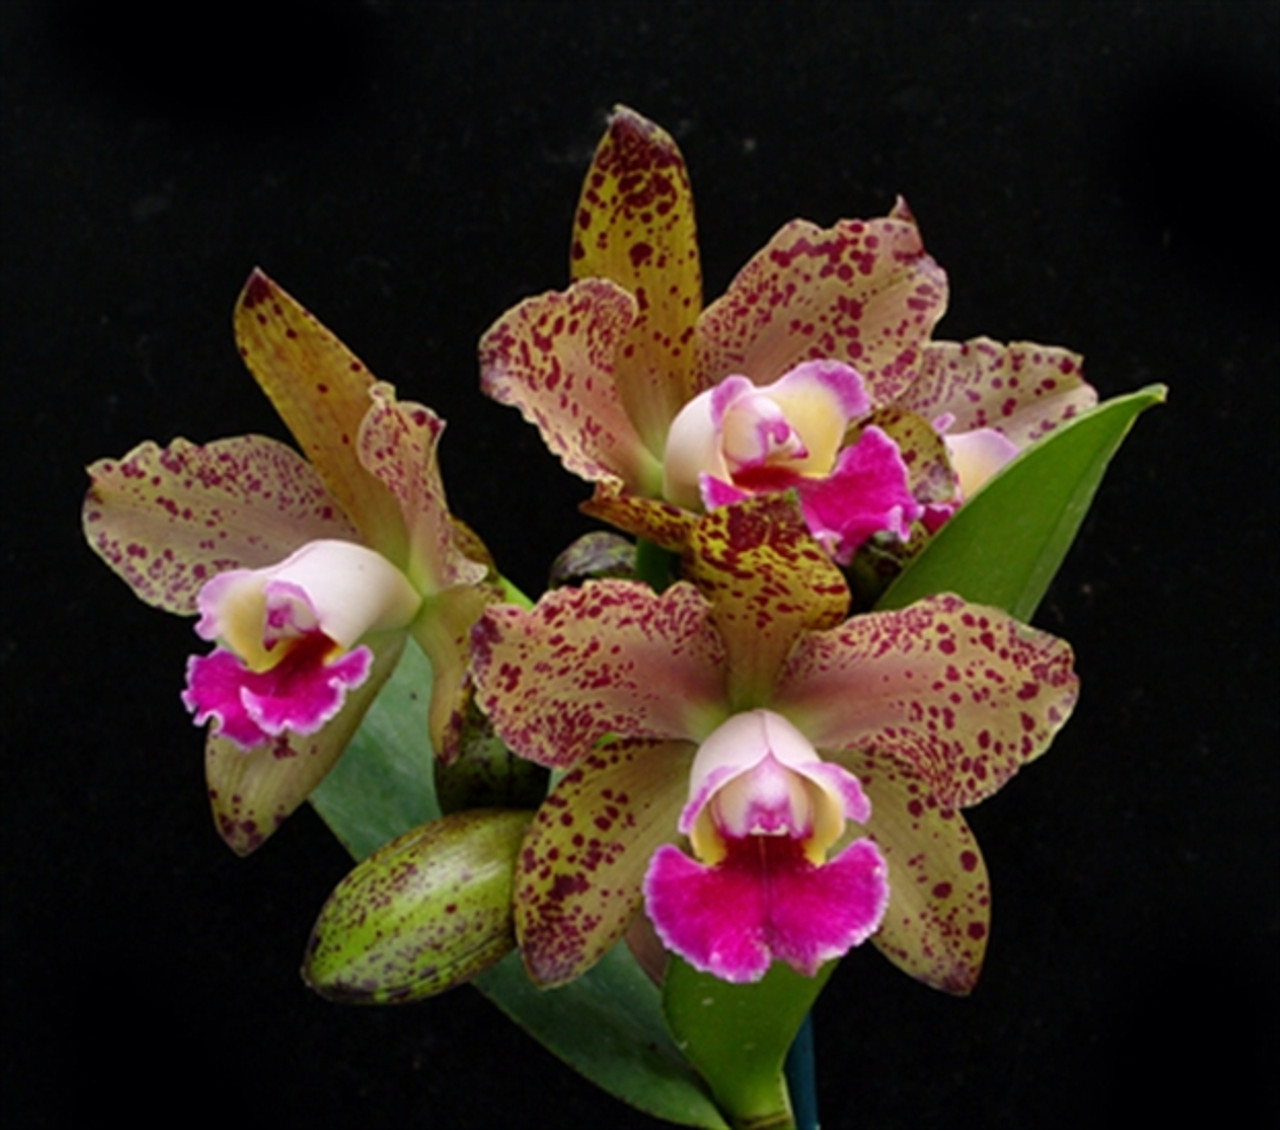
<point>639,390</point>
<point>309,576</point>
<point>739,709</point>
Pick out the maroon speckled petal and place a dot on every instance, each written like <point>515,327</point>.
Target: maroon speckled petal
<point>554,357</point>
<point>321,390</point>
<point>660,522</point>
<point>863,292</point>
<point>939,899</point>
<point>634,225</point>
<point>443,631</point>
<point>397,444</point>
<point>962,694</point>
<point>252,792</point>
<point>1022,390</point>
<point>579,873</point>
<point>169,519</point>
<point>768,581</point>
<point>610,658</point>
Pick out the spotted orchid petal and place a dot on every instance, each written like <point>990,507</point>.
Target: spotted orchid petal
<point>634,226</point>
<point>606,658</point>
<point>169,519</point>
<point>931,477</point>
<point>662,523</point>
<point>961,694</point>
<point>397,443</point>
<point>252,792</point>
<point>555,357</point>
<point>863,292</point>
<point>321,391</point>
<point>938,919</point>
<point>579,873</point>
<point>768,581</point>
<point>1021,390</point>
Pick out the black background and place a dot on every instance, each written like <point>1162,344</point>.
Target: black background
<point>1093,175</point>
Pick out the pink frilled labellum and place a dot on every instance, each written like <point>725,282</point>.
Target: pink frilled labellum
<point>764,810</point>
<point>289,636</point>
<point>739,439</point>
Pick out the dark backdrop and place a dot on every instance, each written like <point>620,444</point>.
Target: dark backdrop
<point>1094,175</point>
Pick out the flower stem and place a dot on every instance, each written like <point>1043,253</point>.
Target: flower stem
<point>799,1071</point>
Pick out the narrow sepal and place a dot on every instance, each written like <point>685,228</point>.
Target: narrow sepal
<point>634,225</point>
<point>582,863</point>
<point>767,581</point>
<point>321,391</point>
<point>939,912</point>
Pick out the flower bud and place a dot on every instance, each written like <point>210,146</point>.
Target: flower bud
<point>424,913</point>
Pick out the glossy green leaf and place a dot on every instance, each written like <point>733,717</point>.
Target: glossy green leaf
<point>383,784</point>
<point>1004,545</point>
<point>737,1036</point>
<point>608,1024</point>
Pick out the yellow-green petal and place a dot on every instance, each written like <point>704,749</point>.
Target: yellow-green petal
<point>252,792</point>
<point>321,391</point>
<point>939,911</point>
<point>578,883</point>
<point>768,581</point>
<point>634,225</point>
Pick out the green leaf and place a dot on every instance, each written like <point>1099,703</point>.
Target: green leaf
<point>383,785</point>
<point>608,1024</point>
<point>737,1036</point>
<point>1003,546</point>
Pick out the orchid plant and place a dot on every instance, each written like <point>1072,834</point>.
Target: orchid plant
<point>763,718</point>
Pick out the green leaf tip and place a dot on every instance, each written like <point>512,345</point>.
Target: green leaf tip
<point>1004,545</point>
